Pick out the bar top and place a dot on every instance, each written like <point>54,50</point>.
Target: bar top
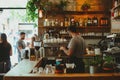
<point>24,68</point>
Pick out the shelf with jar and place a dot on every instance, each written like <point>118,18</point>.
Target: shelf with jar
<point>116,10</point>
<point>116,13</point>
<point>89,35</point>
<point>82,29</point>
<point>80,12</point>
<point>94,22</point>
<point>116,4</point>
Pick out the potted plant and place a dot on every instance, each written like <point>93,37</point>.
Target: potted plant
<point>108,64</point>
<point>95,64</point>
<point>85,6</point>
<point>61,6</point>
<point>33,6</point>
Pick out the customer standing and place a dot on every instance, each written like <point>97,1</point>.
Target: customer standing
<point>75,49</point>
<point>21,46</point>
<point>5,52</point>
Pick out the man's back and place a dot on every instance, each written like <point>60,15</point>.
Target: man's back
<point>78,46</point>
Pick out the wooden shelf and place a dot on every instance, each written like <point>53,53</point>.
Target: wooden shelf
<point>80,12</point>
<point>87,37</point>
<point>88,27</point>
<point>118,17</point>
<point>83,29</point>
<point>52,27</point>
<point>86,12</point>
<point>116,7</point>
<point>93,37</point>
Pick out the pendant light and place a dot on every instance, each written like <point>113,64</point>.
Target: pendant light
<point>40,13</point>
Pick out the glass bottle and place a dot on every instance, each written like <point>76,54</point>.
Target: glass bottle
<point>89,22</point>
<point>46,22</point>
<point>95,21</point>
<point>56,22</point>
<point>80,22</point>
<point>52,23</point>
<point>72,21</point>
<point>116,3</point>
<point>65,21</point>
<point>77,23</point>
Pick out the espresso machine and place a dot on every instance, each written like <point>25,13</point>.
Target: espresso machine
<point>111,47</point>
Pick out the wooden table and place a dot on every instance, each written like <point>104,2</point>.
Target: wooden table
<point>23,69</point>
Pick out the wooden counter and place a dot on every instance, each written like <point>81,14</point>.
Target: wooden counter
<point>22,72</point>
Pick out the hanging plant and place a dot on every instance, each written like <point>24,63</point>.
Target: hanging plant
<point>33,6</point>
<point>61,6</point>
<point>85,6</point>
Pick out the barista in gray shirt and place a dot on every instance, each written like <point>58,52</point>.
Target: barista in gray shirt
<point>21,46</point>
<point>76,48</point>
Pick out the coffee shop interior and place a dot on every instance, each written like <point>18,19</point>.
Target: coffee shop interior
<point>48,22</point>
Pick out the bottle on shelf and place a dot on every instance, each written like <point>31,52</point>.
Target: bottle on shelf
<point>80,22</point>
<point>95,21</point>
<point>116,12</point>
<point>119,12</point>
<point>53,23</point>
<point>46,35</point>
<point>61,23</point>
<point>46,22</point>
<point>69,21</point>
<point>115,3</point>
<point>72,21</point>
<point>104,21</point>
<point>77,23</point>
<point>56,22</point>
<point>85,22</point>
<point>65,21</point>
<point>89,22</point>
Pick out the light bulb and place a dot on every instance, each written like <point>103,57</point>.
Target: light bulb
<point>40,13</point>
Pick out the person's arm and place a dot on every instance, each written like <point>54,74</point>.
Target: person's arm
<point>11,52</point>
<point>70,49</point>
<point>19,46</point>
<point>66,51</point>
<point>10,49</point>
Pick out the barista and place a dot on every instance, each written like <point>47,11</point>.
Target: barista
<point>75,49</point>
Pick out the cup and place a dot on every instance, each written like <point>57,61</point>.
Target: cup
<point>48,69</point>
<point>92,70</point>
<point>35,70</point>
<point>97,51</point>
<point>40,70</point>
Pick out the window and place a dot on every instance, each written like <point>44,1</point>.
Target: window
<point>13,3</point>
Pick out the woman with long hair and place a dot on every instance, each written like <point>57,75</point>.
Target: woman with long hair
<point>5,52</point>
